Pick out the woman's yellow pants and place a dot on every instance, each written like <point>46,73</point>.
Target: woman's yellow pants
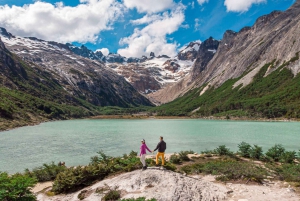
<point>162,155</point>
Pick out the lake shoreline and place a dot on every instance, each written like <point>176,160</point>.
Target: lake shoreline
<point>10,125</point>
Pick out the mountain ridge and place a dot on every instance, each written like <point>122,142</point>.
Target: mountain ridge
<point>246,67</point>
<point>247,50</point>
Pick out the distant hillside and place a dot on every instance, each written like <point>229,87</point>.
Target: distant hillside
<point>254,72</point>
<point>30,93</point>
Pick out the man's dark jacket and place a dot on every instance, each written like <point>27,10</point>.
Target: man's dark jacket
<point>161,146</point>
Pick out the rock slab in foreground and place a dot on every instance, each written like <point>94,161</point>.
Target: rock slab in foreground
<point>152,183</point>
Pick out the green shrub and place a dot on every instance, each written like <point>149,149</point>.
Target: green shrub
<point>112,195</point>
<point>47,172</point>
<point>256,152</point>
<point>228,170</point>
<point>275,152</point>
<point>100,158</point>
<point>133,154</point>
<point>82,195</point>
<point>175,159</point>
<point>286,172</point>
<point>16,187</point>
<point>101,166</point>
<point>244,149</point>
<point>183,155</point>
<point>288,157</point>
<point>193,169</point>
<point>289,172</point>
<point>170,166</point>
<point>222,150</point>
<point>76,178</point>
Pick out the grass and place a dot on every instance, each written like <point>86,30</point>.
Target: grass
<point>228,170</point>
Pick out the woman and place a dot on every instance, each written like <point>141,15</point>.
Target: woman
<point>143,153</point>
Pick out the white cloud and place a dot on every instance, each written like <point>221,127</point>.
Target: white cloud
<point>146,19</point>
<point>152,38</point>
<point>149,6</point>
<point>197,24</point>
<point>104,51</point>
<point>185,26</point>
<point>241,5</point>
<point>192,4</point>
<point>200,2</point>
<point>61,23</point>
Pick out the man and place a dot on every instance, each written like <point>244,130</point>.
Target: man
<point>161,147</point>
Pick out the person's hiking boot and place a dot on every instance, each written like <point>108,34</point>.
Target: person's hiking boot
<point>144,168</point>
<point>156,165</point>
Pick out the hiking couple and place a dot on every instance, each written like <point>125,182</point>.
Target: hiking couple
<point>161,147</point>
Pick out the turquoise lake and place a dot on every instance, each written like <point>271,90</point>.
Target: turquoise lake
<point>75,141</point>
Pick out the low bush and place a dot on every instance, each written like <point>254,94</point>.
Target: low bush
<point>276,152</point>
<point>288,157</point>
<point>183,155</point>
<point>256,152</point>
<point>244,149</point>
<point>287,172</point>
<point>100,158</point>
<point>228,170</point>
<point>101,166</point>
<point>47,172</point>
<point>112,195</point>
<point>16,187</point>
<point>222,150</point>
<point>175,159</point>
<point>170,166</point>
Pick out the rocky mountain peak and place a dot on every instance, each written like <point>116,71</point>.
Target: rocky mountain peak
<point>152,54</point>
<point>115,58</point>
<point>4,33</point>
<point>85,52</point>
<point>99,54</point>
<point>209,45</point>
<point>265,19</point>
<point>228,36</point>
<point>189,52</point>
<point>205,53</point>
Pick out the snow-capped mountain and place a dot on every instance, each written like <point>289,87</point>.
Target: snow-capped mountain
<point>79,76</point>
<point>147,74</point>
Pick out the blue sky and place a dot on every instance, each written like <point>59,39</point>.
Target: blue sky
<point>132,27</point>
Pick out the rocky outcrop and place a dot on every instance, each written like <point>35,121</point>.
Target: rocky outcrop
<point>4,33</point>
<point>171,65</point>
<point>202,53</point>
<point>152,54</point>
<point>205,53</point>
<point>115,58</point>
<point>166,185</point>
<point>152,183</point>
<point>190,52</point>
<point>85,52</point>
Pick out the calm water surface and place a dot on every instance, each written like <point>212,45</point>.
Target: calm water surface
<point>75,141</point>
